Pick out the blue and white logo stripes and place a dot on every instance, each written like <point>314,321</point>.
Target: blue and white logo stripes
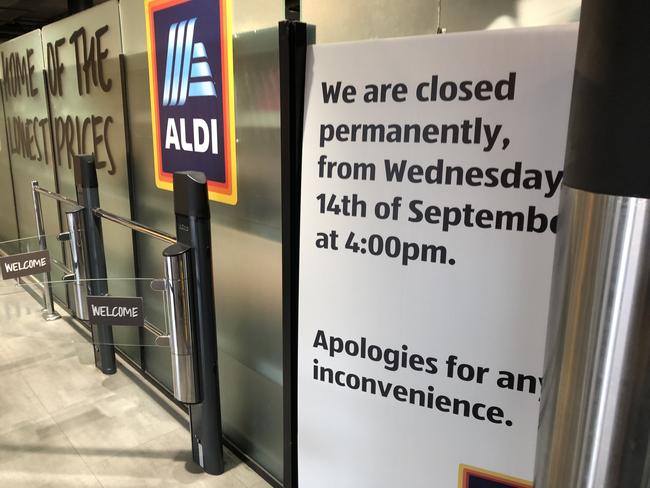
<point>187,72</point>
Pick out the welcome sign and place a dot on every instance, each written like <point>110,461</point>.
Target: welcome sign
<point>106,310</point>
<point>192,97</point>
<point>24,264</point>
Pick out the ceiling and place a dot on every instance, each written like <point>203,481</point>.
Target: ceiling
<point>18,17</point>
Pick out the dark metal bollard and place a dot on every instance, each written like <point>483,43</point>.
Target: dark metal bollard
<point>85,177</point>
<point>193,230</point>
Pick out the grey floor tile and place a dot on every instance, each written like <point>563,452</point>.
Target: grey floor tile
<point>32,436</point>
<point>62,383</point>
<point>38,454</point>
<point>124,419</point>
<point>30,342</point>
<point>165,461</point>
<point>260,484</point>
<point>243,472</point>
<point>65,425</point>
<point>18,403</point>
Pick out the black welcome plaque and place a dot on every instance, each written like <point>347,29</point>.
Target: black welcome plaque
<point>105,310</point>
<point>24,264</point>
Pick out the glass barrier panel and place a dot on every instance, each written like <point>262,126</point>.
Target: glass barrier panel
<point>22,312</point>
<point>134,341</point>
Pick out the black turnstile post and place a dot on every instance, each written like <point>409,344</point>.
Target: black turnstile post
<point>193,230</point>
<point>85,177</point>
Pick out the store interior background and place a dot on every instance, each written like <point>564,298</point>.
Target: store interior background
<point>246,237</point>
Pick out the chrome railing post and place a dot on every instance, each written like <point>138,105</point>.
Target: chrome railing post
<point>78,254</point>
<point>180,322</point>
<point>48,303</point>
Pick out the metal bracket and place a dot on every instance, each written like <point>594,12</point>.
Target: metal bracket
<point>158,285</point>
<point>162,341</point>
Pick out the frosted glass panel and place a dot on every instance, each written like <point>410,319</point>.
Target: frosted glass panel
<point>29,144</point>
<point>463,15</point>
<point>151,206</point>
<point>344,20</point>
<point>8,224</point>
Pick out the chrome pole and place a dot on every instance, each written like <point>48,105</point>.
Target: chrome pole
<point>78,255</point>
<point>594,429</point>
<point>48,310</point>
<point>595,410</point>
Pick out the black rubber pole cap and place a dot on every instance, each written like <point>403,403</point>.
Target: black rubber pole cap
<point>191,194</point>
<point>175,250</point>
<point>608,144</point>
<point>85,172</point>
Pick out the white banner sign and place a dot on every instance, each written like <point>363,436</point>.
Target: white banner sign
<point>430,183</point>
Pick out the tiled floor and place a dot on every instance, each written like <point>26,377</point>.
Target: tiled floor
<point>64,424</point>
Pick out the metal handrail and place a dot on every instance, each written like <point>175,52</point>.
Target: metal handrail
<point>136,226</point>
<point>55,196</point>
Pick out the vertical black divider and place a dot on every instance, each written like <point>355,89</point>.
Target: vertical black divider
<point>294,37</point>
<point>85,177</point>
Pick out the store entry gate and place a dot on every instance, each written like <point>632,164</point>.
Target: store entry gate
<point>186,291</point>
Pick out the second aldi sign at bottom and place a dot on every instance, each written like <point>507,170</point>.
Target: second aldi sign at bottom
<point>470,477</point>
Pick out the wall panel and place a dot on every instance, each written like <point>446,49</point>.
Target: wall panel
<point>29,143</point>
<point>246,237</point>
<point>84,85</point>
<point>343,20</point>
<point>8,223</point>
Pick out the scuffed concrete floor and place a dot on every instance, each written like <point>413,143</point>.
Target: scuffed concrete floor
<point>64,424</point>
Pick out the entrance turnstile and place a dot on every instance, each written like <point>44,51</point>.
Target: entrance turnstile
<point>187,287</point>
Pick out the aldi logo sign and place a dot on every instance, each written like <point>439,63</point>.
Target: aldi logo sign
<point>187,71</point>
<point>192,97</point>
